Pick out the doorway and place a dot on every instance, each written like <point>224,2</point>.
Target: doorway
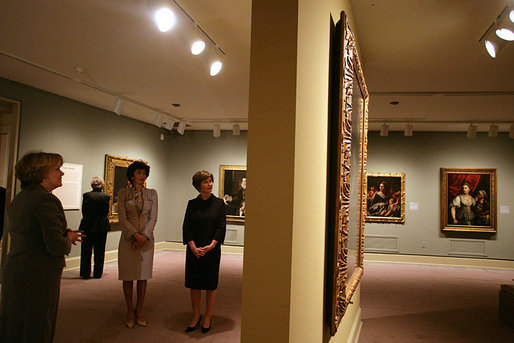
<point>9,125</point>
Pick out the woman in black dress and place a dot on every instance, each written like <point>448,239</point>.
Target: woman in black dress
<point>203,233</point>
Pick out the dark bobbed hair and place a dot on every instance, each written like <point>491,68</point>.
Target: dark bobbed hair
<point>199,177</point>
<point>466,183</point>
<point>32,167</point>
<point>135,166</point>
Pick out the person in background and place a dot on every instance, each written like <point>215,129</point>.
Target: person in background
<point>95,224</point>
<point>203,233</point>
<point>31,277</point>
<point>137,212</point>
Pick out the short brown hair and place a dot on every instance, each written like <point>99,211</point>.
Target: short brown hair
<point>32,167</point>
<point>199,177</point>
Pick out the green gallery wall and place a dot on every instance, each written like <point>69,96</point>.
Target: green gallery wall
<point>84,134</point>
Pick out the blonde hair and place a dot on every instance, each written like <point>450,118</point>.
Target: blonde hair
<point>32,167</point>
<point>97,182</point>
<point>201,176</point>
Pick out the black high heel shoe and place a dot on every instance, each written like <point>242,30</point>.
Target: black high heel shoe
<point>193,328</point>
<point>205,330</point>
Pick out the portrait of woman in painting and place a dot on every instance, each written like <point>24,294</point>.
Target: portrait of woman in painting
<point>461,206</point>
<point>378,201</point>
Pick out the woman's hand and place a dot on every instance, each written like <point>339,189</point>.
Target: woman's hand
<point>208,248</point>
<point>141,239</point>
<point>196,251</point>
<point>74,235</point>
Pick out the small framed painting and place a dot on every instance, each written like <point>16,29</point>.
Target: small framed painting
<point>233,191</point>
<point>385,198</point>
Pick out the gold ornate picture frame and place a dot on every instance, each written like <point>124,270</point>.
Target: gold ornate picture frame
<point>347,155</point>
<point>115,177</point>
<point>232,189</point>
<point>468,200</point>
<point>385,198</point>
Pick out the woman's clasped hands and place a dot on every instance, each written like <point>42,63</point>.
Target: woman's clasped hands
<point>199,252</point>
<point>140,240</point>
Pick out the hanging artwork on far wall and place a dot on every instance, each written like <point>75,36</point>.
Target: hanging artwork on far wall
<point>115,177</point>
<point>385,198</point>
<point>233,191</point>
<point>468,200</point>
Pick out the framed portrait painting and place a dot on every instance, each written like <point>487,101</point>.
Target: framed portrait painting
<point>115,177</point>
<point>468,200</point>
<point>385,198</point>
<point>233,191</point>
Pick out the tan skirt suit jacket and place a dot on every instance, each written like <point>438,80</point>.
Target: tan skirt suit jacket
<point>136,263</point>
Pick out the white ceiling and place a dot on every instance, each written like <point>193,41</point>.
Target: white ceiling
<point>425,54</point>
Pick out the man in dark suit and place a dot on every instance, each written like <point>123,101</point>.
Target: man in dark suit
<point>95,224</point>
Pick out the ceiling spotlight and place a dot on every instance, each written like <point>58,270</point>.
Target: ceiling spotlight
<point>236,130</point>
<point>505,28</point>
<point>493,130</point>
<point>384,130</point>
<point>215,68</point>
<point>158,120</point>
<point>409,129</point>
<point>493,44</point>
<point>118,104</point>
<point>216,131</point>
<point>505,34</point>
<point>197,47</point>
<point>472,131</point>
<point>165,19</point>
<point>181,127</point>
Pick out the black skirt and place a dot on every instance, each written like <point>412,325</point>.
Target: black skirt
<point>203,272</point>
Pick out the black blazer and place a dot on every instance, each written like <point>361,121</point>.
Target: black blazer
<point>95,211</point>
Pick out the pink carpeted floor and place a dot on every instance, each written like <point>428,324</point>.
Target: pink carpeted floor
<point>429,304</point>
<point>400,303</point>
<point>94,310</point>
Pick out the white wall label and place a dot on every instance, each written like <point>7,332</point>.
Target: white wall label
<point>504,209</point>
<point>413,206</point>
<point>70,193</point>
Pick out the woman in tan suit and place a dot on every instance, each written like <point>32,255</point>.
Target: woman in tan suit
<point>31,277</point>
<point>137,211</point>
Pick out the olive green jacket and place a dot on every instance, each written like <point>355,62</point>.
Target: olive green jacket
<point>37,226</point>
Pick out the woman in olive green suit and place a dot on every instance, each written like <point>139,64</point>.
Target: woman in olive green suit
<point>31,277</point>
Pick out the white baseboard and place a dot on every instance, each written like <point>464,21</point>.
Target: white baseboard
<point>112,255</point>
<point>356,328</point>
<point>439,260</point>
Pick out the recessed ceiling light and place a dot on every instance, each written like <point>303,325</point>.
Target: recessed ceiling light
<point>394,102</point>
<point>175,105</point>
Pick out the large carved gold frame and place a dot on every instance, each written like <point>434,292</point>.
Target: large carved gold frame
<point>445,199</point>
<point>382,219</point>
<point>111,162</point>
<point>344,67</point>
